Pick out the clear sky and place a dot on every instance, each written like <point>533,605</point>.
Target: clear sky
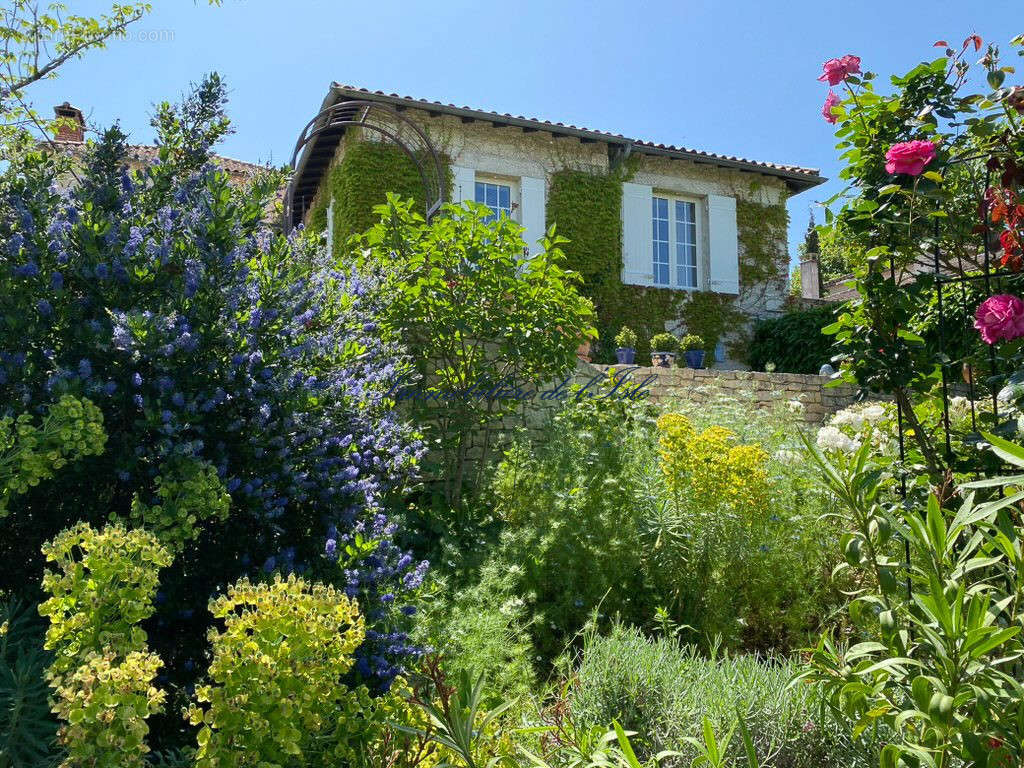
<point>731,77</point>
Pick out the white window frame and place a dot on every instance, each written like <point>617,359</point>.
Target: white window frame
<point>673,265</point>
<point>514,195</point>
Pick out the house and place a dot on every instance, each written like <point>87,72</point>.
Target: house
<point>70,138</point>
<point>665,237</point>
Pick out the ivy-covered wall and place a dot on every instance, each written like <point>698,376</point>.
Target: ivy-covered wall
<point>586,209</point>
<point>360,178</point>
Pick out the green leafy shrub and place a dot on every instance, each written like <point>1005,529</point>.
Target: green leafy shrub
<point>663,690</point>
<point>691,342</point>
<point>28,731</point>
<point>189,492</point>
<point>940,664</point>
<point>573,515</point>
<point>626,338</point>
<point>794,342</point>
<point>71,428</point>
<point>483,629</point>
<point>664,342</point>
<point>276,695</point>
<point>478,314</point>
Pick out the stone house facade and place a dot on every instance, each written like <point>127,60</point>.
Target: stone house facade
<point>680,212</point>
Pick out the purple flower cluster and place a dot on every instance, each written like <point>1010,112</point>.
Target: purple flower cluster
<point>200,333</point>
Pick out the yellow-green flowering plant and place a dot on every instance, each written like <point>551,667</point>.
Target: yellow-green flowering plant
<point>31,453</point>
<point>102,672</point>
<point>275,695</point>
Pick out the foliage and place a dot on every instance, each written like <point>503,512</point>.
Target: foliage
<point>275,695</point>
<point>573,522</point>
<point>35,42</point>
<point>626,338</point>
<point>940,661</point>
<point>664,691</point>
<point>691,342</point>
<point>102,588</point>
<point>839,254</point>
<point>27,729</point>
<point>794,341</point>
<point>70,429</point>
<point>762,235</point>
<point>360,180</point>
<point>900,214</point>
<point>102,672</point>
<point>189,492</point>
<point>224,359</point>
<point>483,629</point>
<point>480,317</point>
<point>105,703</point>
<point>664,342</point>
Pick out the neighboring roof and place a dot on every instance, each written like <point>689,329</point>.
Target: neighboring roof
<point>148,152</point>
<point>144,153</point>
<point>320,151</point>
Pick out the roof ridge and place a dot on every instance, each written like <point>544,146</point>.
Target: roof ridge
<point>788,168</point>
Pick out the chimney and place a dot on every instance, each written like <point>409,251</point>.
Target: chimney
<point>71,125</point>
<point>810,280</point>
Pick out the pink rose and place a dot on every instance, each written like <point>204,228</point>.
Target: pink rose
<point>837,70</point>
<point>1000,317</point>
<point>830,101</point>
<point>909,157</point>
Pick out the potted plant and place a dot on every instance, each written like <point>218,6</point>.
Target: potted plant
<point>625,346</point>
<point>693,350</point>
<point>663,350</point>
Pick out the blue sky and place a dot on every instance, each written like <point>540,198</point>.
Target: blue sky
<point>731,77</point>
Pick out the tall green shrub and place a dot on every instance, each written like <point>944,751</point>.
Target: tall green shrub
<point>793,342</point>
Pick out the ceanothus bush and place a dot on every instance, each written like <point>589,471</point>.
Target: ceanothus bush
<point>225,358</point>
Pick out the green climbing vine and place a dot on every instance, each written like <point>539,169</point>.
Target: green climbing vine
<point>360,179</point>
<point>586,207</point>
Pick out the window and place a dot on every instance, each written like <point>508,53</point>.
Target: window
<point>497,197</point>
<point>674,242</point>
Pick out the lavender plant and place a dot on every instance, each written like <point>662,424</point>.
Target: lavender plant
<point>226,360</point>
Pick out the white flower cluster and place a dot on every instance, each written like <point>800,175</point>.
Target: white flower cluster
<point>848,429</point>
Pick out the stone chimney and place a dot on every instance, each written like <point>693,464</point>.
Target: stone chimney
<point>71,127</point>
<point>810,277</point>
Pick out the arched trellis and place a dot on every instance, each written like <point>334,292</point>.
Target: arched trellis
<point>385,121</point>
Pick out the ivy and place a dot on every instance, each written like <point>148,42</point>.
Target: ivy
<point>360,179</point>
<point>762,233</point>
<point>586,208</point>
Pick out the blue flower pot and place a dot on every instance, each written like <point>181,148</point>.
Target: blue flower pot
<point>694,358</point>
<point>625,355</point>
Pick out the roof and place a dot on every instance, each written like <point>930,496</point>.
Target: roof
<point>320,151</point>
<point>145,153</point>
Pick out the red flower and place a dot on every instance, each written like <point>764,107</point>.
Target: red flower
<point>999,318</point>
<point>837,70</point>
<point>909,157</point>
<point>830,101</point>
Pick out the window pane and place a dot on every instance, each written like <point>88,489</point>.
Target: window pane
<point>479,192</point>
<point>659,231</point>
<point>492,194</point>
<point>503,197</point>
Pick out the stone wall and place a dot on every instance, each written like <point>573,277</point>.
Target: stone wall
<point>759,390</point>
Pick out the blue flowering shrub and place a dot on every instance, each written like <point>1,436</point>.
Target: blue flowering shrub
<point>240,377</point>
